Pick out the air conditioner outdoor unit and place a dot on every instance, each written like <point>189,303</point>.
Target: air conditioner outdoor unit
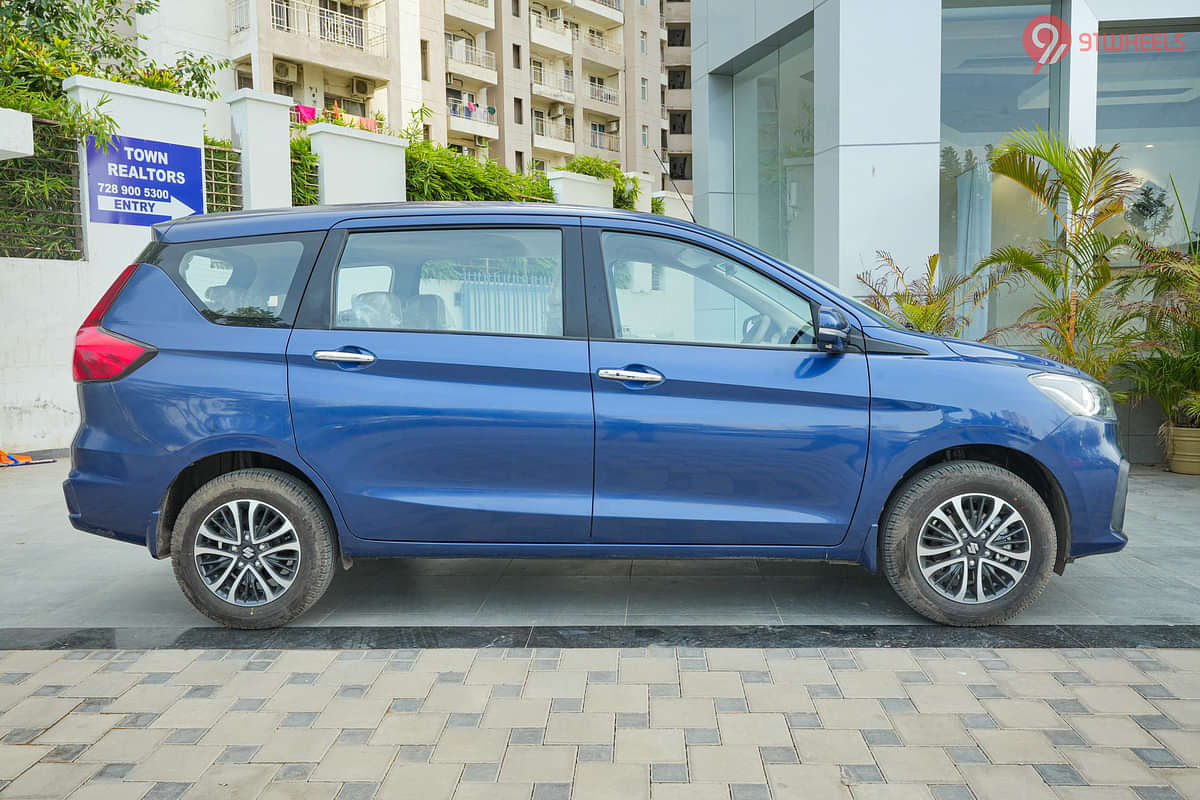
<point>481,141</point>
<point>613,126</point>
<point>452,81</point>
<point>555,15</point>
<point>285,71</point>
<point>557,110</point>
<point>361,87</point>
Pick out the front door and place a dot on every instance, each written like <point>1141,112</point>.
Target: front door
<point>717,420</point>
<point>439,382</point>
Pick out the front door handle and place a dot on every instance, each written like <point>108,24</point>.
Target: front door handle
<point>630,375</point>
<point>345,356</point>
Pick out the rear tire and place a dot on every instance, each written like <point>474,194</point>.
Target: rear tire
<point>968,543</point>
<point>266,548</point>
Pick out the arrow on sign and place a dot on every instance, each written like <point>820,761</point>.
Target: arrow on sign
<point>154,208</point>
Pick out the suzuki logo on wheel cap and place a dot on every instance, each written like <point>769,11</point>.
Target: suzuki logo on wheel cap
<point>247,552</point>
<point>972,547</point>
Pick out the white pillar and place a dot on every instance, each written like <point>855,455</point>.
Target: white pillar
<point>877,134</point>
<point>16,134</point>
<point>580,190</point>
<point>261,129</point>
<point>357,166</point>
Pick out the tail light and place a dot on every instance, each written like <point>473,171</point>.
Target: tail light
<point>101,355</point>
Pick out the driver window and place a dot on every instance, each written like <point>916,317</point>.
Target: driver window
<point>664,290</point>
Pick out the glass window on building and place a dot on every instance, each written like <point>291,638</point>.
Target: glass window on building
<point>989,90</point>
<point>1148,101</point>
<point>773,127</point>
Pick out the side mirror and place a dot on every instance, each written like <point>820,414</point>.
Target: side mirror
<point>833,329</point>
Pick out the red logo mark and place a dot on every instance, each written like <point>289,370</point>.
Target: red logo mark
<point>1047,39</point>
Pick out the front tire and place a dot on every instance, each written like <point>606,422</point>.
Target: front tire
<point>968,543</point>
<point>253,548</point>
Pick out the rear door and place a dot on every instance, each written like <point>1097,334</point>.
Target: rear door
<point>718,421</point>
<point>439,379</point>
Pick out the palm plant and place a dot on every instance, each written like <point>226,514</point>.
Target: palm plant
<point>933,303</point>
<point>1075,317</point>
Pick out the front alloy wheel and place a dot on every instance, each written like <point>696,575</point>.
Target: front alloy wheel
<point>973,548</point>
<point>967,543</point>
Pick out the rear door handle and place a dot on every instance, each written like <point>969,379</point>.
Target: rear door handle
<point>345,356</point>
<point>629,375</point>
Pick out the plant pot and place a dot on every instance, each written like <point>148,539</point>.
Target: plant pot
<point>1183,450</point>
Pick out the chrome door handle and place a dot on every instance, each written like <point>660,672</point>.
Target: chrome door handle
<point>629,375</point>
<point>346,356</point>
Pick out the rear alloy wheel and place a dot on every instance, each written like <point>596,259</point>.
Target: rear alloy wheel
<point>968,543</point>
<point>253,548</point>
<point>247,552</point>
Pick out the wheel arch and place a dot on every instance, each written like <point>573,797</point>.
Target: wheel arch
<point>203,470</point>
<point>1025,466</point>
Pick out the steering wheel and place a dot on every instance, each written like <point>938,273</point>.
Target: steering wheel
<point>756,328</point>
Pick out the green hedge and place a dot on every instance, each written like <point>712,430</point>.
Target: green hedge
<point>40,215</point>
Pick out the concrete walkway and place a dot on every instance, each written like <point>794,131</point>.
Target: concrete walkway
<point>585,724</point>
<point>53,576</point>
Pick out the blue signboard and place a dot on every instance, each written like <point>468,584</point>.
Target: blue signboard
<point>141,182</point>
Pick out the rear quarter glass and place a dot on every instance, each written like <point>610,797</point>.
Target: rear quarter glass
<point>253,281</point>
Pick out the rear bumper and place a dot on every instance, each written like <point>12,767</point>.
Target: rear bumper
<point>88,516</point>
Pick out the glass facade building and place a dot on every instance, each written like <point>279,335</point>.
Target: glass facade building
<point>827,131</point>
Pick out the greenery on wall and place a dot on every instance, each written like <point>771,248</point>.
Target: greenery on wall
<point>434,172</point>
<point>658,206</point>
<point>625,189</point>
<point>39,198</point>
<point>222,176</point>
<point>304,172</point>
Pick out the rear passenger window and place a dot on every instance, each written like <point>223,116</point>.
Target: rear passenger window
<point>250,282</point>
<point>480,280</point>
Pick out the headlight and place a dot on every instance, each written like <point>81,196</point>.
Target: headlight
<point>1077,396</point>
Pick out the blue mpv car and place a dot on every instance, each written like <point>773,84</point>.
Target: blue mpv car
<point>265,395</point>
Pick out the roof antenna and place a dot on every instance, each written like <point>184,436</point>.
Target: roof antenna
<point>674,186</point>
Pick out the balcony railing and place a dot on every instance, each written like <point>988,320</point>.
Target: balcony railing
<point>610,44</point>
<point>553,25</point>
<point>606,141</point>
<point>604,94</point>
<point>553,130</point>
<point>613,4</point>
<point>309,19</point>
<point>558,81</point>
<point>483,3</point>
<point>469,54</point>
<point>458,108</point>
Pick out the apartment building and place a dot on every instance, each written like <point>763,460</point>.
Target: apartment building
<point>529,83</point>
<point>533,83</point>
<point>677,92</point>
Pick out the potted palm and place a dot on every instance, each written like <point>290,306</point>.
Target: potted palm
<point>1170,375</point>
<point>931,301</point>
<point>1075,317</point>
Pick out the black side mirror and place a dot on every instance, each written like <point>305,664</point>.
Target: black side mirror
<point>833,329</point>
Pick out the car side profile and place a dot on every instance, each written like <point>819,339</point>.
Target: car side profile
<point>265,395</point>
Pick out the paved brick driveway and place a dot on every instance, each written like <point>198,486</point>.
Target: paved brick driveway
<point>746,724</point>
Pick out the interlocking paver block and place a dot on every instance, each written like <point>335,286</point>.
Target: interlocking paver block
<point>544,764</point>
<point>649,746</point>
<point>582,728</point>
